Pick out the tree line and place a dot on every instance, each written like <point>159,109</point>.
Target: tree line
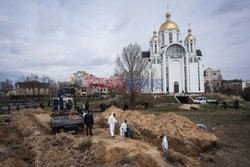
<point>8,85</point>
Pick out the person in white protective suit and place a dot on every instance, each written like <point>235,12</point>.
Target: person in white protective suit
<point>111,122</point>
<point>201,126</point>
<point>165,143</point>
<point>124,128</point>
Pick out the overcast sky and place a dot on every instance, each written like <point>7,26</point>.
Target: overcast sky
<point>59,37</point>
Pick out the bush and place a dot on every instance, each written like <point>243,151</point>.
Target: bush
<point>246,94</point>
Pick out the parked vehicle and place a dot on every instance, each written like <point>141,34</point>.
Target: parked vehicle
<point>204,100</point>
<point>64,117</point>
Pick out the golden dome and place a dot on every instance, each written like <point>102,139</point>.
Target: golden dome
<point>169,25</point>
<point>155,38</point>
<point>190,37</point>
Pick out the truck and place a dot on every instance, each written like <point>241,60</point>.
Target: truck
<point>204,100</point>
<point>64,117</point>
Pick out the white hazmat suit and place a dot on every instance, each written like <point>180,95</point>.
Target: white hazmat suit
<point>123,129</point>
<point>111,122</point>
<point>165,144</point>
<point>201,126</point>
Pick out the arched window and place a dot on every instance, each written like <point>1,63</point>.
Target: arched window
<point>175,51</point>
<point>191,47</point>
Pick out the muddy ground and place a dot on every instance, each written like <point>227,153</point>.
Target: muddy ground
<point>26,140</point>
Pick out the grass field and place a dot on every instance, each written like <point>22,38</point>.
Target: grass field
<point>232,127</point>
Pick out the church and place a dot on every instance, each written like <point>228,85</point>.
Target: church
<point>176,63</point>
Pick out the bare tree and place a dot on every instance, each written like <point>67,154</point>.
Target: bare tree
<point>6,86</point>
<point>47,79</point>
<point>131,67</point>
<point>30,77</point>
<point>36,77</point>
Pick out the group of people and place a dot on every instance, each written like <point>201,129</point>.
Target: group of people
<point>235,105</point>
<point>124,131</point>
<point>123,127</point>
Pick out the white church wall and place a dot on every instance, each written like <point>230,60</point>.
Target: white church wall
<point>156,78</point>
<point>193,77</point>
<point>175,74</point>
<point>202,84</point>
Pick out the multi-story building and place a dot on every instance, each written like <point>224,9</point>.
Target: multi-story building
<point>34,88</point>
<point>82,80</point>
<point>248,83</point>
<point>213,80</point>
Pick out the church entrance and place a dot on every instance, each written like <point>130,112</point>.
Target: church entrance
<point>176,87</point>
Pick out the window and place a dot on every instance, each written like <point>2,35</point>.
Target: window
<point>155,45</point>
<point>191,47</point>
<point>187,47</point>
<point>153,61</point>
<point>175,50</point>
<point>170,37</point>
<point>190,60</point>
<point>158,61</point>
<point>162,37</point>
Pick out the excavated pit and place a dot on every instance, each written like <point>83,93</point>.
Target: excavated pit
<point>43,148</point>
<point>49,150</point>
<point>186,141</point>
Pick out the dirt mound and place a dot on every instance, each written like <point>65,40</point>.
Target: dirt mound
<point>37,111</point>
<point>78,150</point>
<point>183,136</point>
<point>12,162</point>
<point>51,150</point>
<point>189,107</point>
<point>120,151</point>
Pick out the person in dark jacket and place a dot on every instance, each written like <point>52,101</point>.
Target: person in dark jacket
<point>89,122</point>
<point>224,104</point>
<point>87,106</point>
<point>236,104</point>
<point>102,107</point>
<point>125,106</point>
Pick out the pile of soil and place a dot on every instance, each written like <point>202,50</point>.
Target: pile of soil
<point>120,151</point>
<point>78,150</point>
<point>186,141</point>
<point>40,147</point>
<point>51,150</point>
<point>12,151</point>
<point>189,107</point>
